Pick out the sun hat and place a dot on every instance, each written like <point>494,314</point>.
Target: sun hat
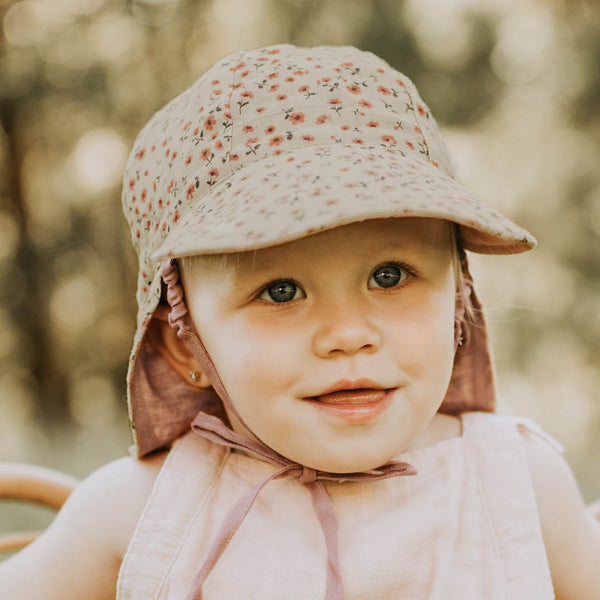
<point>274,144</point>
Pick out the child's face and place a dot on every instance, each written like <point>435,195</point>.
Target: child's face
<point>368,306</point>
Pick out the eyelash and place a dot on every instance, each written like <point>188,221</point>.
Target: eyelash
<point>410,271</point>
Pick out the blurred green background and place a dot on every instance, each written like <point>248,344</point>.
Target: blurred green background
<point>515,85</point>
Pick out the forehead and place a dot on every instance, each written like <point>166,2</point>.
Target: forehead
<point>413,237</point>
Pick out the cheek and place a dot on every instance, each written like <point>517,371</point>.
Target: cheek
<point>253,362</point>
<point>425,337</point>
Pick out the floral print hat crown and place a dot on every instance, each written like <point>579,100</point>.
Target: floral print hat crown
<point>271,145</point>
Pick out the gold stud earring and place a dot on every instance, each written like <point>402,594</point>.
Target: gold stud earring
<point>194,376</point>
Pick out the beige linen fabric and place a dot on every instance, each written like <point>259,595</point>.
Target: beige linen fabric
<point>466,527</point>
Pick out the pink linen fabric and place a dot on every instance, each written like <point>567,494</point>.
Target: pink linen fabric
<point>466,527</point>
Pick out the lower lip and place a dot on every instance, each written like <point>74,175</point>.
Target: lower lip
<point>357,413</point>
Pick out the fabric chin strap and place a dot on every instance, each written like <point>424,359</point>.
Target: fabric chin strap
<point>215,430</point>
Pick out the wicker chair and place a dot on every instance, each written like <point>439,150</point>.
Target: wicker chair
<point>35,484</point>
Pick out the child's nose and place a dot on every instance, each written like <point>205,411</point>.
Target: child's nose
<point>346,330</point>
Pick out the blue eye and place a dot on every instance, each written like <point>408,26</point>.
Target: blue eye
<point>388,276</point>
<point>282,291</point>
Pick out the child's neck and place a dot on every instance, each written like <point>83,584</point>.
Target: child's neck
<point>441,427</point>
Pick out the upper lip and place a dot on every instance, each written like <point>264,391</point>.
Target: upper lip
<point>347,384</point>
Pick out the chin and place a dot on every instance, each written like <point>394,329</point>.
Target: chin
<point>348,463</point>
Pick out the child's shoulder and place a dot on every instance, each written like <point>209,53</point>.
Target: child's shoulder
<point>571,535</point>
<point>91,532</point>
<point>119,490</point>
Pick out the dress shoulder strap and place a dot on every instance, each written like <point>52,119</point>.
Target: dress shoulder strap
<point>495,449</point>
<point>185,479</point>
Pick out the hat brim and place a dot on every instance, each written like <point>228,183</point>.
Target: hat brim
<point>310,189</point>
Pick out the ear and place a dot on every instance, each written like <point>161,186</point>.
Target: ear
<point>173,349</point>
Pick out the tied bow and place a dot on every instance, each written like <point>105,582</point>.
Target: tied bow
<point>213,429</point>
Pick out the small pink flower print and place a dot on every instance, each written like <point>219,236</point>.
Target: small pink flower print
<point>205,154</point>
<point>217,92</point>
<point>276,51</point>
<point>335,101</point>
<point>227,115</point>
<point>196,131</point>
<point>137,234</point>
<point>154,185</point>
<point>372,124</point>
<point>213,173</point>
<point>421,109</point>
<point>144,195</point>
<point>219,145</point>
<point>383,90</point>
<point>272,75</point>
<point>167,153</point>
<point>160,203</point>
<point>290,79</point>
<point>276,140</point>
<point>270,129</point>
<point>281,97</point>
<point>187,125</point>
<point>322,119</point>
<point>209,123</point>
<point>308,138</point>
<point>435,164</point>
<point>140,154</point>
<point>303,88</point>
<point>353,89</point>
<point>233,157</point>
<point>215,82</point>
<point>277,151</point>
<point>357,141</point>
<point>347,64</point>
<point>236,86</point>
<point>170,186</point>
<point>174,156</point>
<point>247,128</point>
<point>247,94</point>
<point>389,138</point>
<point>131,185</point>
<point>176,216</point>
<point>410,145</point>
<point>418,130</point>
<point>365,104</point>
<point>190,191</point>
<point>326,79</point>
<point>299,73</point>
<point>153,148</point>
<point>345,127</point>
<point>274,88</point>
<point>238,67</point>
<point>245,74</point>
<point>251,141</point>
<point>260,109</point>
<point>380,70</point>
<point>400,82</point>
<point>297,117</point>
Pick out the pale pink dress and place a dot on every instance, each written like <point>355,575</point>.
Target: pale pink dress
<point>465,527</point>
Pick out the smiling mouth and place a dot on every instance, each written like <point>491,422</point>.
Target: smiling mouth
<point>354,406</point>
<point>352,397</point>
